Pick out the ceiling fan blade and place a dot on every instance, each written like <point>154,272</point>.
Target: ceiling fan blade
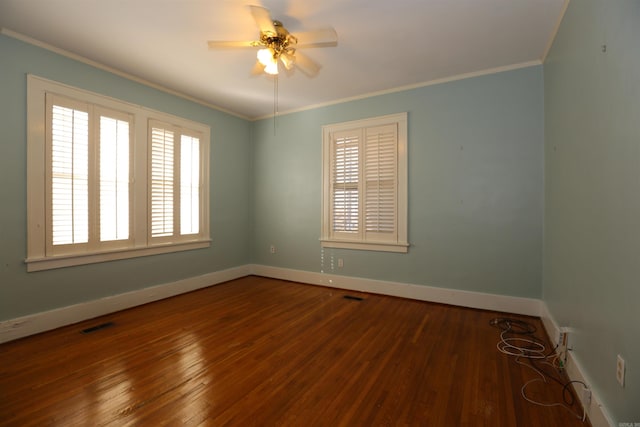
<point>214,44</point>
<point>263,19</point>
<point>307,65</point>
<point>326,37</point>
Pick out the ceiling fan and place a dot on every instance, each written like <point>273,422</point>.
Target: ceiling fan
<point>277,44</point>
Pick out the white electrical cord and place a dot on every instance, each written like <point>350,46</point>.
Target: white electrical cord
<point>507,345</point>
<point>534,349</point>
<point>524,395</point>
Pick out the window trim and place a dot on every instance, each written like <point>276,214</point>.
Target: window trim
<point>37,257</point>
<point>401,244</point>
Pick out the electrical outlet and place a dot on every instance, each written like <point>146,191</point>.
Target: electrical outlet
<point>620,370</point>
<point>272,249</point>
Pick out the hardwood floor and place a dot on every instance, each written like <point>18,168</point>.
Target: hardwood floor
<point>265,352</point>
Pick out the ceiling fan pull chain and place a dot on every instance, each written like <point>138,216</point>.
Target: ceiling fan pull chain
<point>275,102</point>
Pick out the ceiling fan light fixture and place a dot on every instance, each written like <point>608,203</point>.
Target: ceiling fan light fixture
<point>265,56</point>
<point>271,68</point>
<point>287,60</point>
<point>269,59</point>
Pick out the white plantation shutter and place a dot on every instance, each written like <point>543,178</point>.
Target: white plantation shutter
<point>380,172</point>
<point>365,184</point>
<point>189,185</point>
<point>162,173</point>
<point>87,176</point>
<point>69,181</point>
<point>345,197</point>
<point>176,182</point>
<point>114,178</point>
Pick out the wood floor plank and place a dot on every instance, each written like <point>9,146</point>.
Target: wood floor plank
<point>264,352</point>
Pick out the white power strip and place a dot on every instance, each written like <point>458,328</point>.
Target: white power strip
<point>563,344</point>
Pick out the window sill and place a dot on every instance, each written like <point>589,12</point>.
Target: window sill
<point>49,263</point>
<point>366,246</point>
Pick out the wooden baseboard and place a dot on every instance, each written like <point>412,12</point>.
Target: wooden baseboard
<point>44,321</point>
<point>503,303</point>
<point>596,411</point>
<point>40,322</point>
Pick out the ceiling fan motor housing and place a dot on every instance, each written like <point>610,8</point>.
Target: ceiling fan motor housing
<point>279,43</point>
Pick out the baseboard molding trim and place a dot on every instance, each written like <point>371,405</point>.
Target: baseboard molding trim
<point>502,303</point>
<point>596,411</point>
<point>40,322</point>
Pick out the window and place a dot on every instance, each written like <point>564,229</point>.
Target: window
<point>74,223</point>
<point>365,184</point>
<point>109,180</point>
<point>175,182</point>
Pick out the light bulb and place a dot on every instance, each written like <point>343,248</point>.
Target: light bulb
<point>265,56</point>
<point>271,68</point>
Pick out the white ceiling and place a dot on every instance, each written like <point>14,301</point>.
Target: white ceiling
<point>383,45</point>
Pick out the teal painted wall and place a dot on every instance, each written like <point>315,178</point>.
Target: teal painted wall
<point>23,293</point>
<point>475,186</point>
<point>592,193</point>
